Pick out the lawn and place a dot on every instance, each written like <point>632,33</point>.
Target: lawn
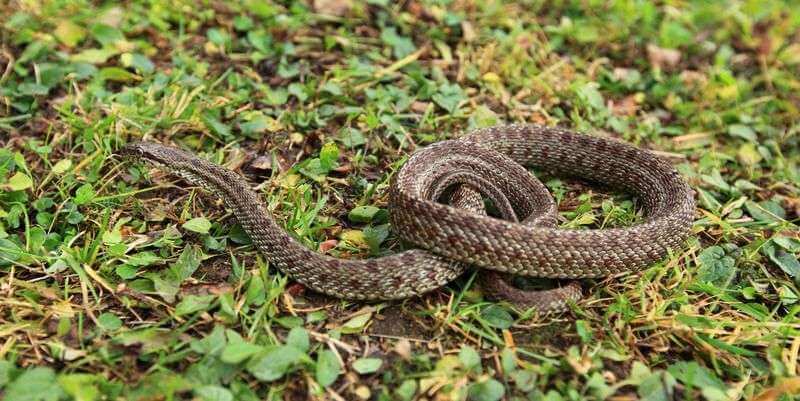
<point>122,282</point>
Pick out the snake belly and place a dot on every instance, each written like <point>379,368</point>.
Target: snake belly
<point>487,162</point>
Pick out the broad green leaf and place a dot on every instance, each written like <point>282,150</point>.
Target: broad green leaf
<point>716,180</point>
<point>213,393</point>
<point>289,322</point>
<point>786,261</point>
<point>489,390</point>
<point>787,295</point>
<point>590,96</point>
<point>9,252</point>
<point>375,235</point>
<point>193,303</point>
<point>117,74</point>
<point>483,117</point>
<point>673,34</point>
<point>150,339</point>
<point>357,323</point>
<point>84,194</point>
<point>19,181</point>
<point>242,23</point>
<point>788,243</point>
<point>496,316</point>
<point>62,166</point>
<point>112,237</point>
<point>126,272</point>
<point>218,37</point>
<point>187,263</point>
<point>327,368</point>
<point>363,214</point>
<point>716,267</point>
<point>658,386</point>
<point>407,390</point>
<point>277,96</point>
<point>5,373</point>
<point>692,375</point>
<point>525,380</point>
<point>214,125</point>
<point>328,157</point>
<point>748,154</point>
<point>449,97</point>
<point>69,33</point>
<point>766,211</point>
<point>139,62</point>
<point>255,291</point>
<point>109,321</point>
<point>212,343</point>
<point>81,387</point>
<point>165,285</point>
<point>261,41</point>
<point>298,338</point>
<point>145,258</point>
<point>273,364</point>
<point>352,137</point>
<point>508,360</point>
<point>36,384</point>
<point>257,124</point>
<point>105,34</point>
<point>584,330</point>
<point>333,88</point>
<point>94,56</point>
<point>237,352</point>
<point>743,131</point>
<point>33,89</point>
<point>198,224</point>
<point>469,358</point>
<point>401,45</point>
<point>367,365</point>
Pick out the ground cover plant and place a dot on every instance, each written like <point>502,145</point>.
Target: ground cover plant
<point>118,282</point>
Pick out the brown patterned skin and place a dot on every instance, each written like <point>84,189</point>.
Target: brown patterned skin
<point>488,162</point>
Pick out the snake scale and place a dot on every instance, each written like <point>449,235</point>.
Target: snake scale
<point>436,204</point>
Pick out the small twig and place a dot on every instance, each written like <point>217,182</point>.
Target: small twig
<point>96,277</point>
<point>397,65</point>
<point>325,338</point>
<point>391,337</point>
<point>9,66</point>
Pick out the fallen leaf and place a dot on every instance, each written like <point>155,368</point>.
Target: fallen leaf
<point>69,33</point>
<point>262,163</point>
<point>508,339</point>
<point>326,246</point>
<point>468,31</point>
<point>660,57</point>
<point>623,74</point>
<point>419,107</point>
<point>693,140</point>
<point>363,392</point>
<point>296,289</point>
<point>403,348</point>
<point>791,386</point>
<point>748,154</point>
<point>337,8</point>
<point>693,78</point>
<point>627,106</point>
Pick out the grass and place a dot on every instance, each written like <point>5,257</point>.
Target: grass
<point>121,283</point>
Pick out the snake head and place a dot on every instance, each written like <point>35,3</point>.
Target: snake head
<point>149,152</point>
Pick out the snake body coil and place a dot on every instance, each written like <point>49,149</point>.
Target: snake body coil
<point>486,162</point>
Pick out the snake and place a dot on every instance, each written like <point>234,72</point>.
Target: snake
<point>437,205</point>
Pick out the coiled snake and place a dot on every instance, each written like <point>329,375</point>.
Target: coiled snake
<point>488,162</point>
